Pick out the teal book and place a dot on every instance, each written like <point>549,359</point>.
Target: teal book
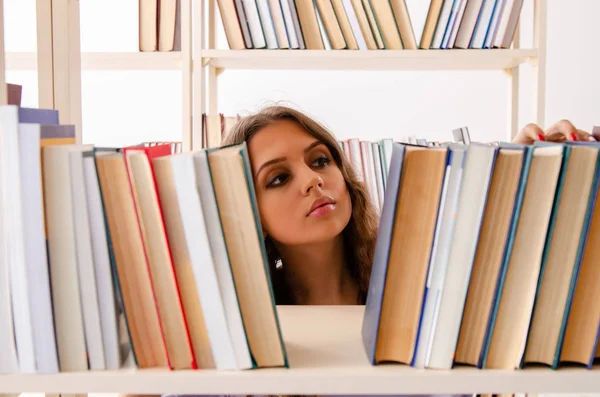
<point>581,248</point>
<point>528,154</point>
<point>238,210</point>
<point>551,225</point>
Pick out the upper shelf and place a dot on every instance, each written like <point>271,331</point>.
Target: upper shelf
<point>326,356</point>
<point>496,59</point>
<point>105,61</point>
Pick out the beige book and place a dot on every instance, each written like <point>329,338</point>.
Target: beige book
<point>414,225</point>
<point>516,300</point>
<point>363,21</point>
<point>555,286</point>
<point>148,25</point>
<point>582,327</point>
<point>167,14</point>
<point>182,263</point>
<point>430,23</point>
<point>62,255</point>
<point>249,269</point>
<point>375,28</point>
<point>307,14</point>
<point>279,24</point>
<point>132,270</point>
<point>231,24</point>
<point>387,24</point>
<point>404,24</point>
<point>489,255</point>
<point>156,245</point>
<point>332,27</point>
<point>342,17</point>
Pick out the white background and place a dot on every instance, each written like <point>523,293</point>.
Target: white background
<point>128,107</point>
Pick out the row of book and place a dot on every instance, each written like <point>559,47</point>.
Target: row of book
<point>159,25</point>
<point>487,255</point>
<point>367,24</point>
<point>128,257</point>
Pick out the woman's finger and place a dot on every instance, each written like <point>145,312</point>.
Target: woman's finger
<point>561,131</point>
<point>529,134</point>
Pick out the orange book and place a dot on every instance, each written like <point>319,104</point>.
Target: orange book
<point>158,255</point>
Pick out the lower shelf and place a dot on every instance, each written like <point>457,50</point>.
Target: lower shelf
<point>326,357</point>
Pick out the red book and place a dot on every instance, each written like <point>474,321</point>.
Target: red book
<point>174,327</point>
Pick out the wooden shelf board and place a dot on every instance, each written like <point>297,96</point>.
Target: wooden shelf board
<point>326,357</point>
<point>105,61</point>
<point>496,59</point>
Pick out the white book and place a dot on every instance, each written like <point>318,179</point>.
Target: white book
<point>444,232</point>
<point>266,21</point>
<point>297,26</point>
<point>15,328</point>
<point>13,237</point>
<point>442,23</point>
<point>508,23</point>
<point>256,30</point>
<point>102,267</point>
<point>220,258</point>
<point>202,263</point>
<point>469,20</point>
<point>289,24</point>
<point>378,173</point>
<point>88,292</point>
<point>471,205</point>
<point>279,24</point>
<point>482,24</point>
<point>457,24</point>
<point>495,20</point>
<point>370,168</point>
<point>452,19</point>
<point>356,158</point>
<point>38,279</point>
<point>360,39</point>
<point>239,7</point>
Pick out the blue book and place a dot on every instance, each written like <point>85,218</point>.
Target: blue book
<point>38,116</point>
<point>370,326</point>
<point>406,246</point>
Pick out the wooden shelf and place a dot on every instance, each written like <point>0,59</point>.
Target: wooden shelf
<point>496,59</point>
<point>105,61</point>
<point>326,357</point>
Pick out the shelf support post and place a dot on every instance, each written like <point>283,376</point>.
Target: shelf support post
<point>513,91</point>
<point>186,78</point>
<point>3,92</point>
<point>198,76</point>
<point>45,60</point>
<point>539,69</point>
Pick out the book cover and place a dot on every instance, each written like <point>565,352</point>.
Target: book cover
<point>370,325</point>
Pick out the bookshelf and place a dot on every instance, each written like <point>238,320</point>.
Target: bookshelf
<point>324,343</point>
<point>326,357</point>
<point>210,62</point>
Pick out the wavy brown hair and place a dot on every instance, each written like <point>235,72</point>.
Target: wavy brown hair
<point>359,235</point>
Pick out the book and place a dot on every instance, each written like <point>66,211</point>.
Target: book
<point>511,313</point>
<point>236,200</point>
<point>390,331</point>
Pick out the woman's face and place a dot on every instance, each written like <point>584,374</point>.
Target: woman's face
<point>302,195</point>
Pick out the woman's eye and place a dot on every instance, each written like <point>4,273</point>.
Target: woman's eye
<point>321,162</point>
<point>277,180</point>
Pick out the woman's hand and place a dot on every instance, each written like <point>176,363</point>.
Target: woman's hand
<point>561,131</point>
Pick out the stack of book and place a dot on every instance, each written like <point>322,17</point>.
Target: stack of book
<point>367,24</point>
<point>487,256</point>
<point>159,25</point>
<point>135,256</point>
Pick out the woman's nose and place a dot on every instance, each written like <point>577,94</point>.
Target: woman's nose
<point>313,181</point>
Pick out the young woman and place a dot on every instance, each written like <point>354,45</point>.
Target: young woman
<point>318,223</point>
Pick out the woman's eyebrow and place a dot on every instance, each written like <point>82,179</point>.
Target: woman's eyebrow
<point>268,163</point>
<point>280,159</point>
